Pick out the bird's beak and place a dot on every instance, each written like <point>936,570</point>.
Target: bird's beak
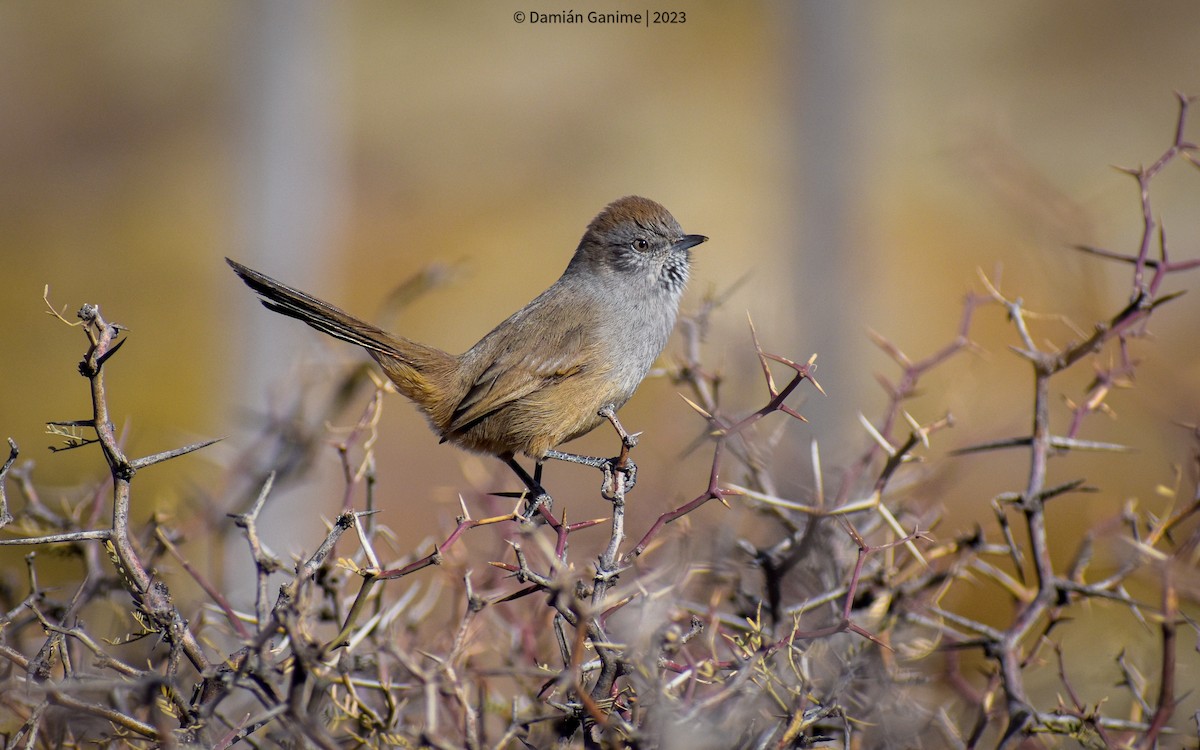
<point>688,241</point>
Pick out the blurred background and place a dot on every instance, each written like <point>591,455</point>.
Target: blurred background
<point>854,164</point>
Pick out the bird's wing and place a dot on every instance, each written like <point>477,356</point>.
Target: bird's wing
<point>514,374</point>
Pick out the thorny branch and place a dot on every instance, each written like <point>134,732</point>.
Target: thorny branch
<point>752,627</point>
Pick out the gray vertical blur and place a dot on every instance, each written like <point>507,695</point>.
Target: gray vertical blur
<point>830,54</point>
<point>291,159</point>
<point>290,203</point>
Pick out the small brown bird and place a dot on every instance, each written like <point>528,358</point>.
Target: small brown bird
<point>540,378</point>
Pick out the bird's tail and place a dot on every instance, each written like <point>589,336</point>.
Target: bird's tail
<point>404,360</point>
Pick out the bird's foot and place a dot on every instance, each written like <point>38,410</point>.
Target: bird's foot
<point>534,503</point>
<point>620,475</point>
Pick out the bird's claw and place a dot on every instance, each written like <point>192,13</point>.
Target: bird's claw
<point>626,475</point>
<point>536,503</point>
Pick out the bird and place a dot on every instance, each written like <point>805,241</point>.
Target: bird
<point>541,377</point>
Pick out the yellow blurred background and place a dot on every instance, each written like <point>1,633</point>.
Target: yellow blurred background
<point>856,162</point>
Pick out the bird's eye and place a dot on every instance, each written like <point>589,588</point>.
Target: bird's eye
<point>640,244</point>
